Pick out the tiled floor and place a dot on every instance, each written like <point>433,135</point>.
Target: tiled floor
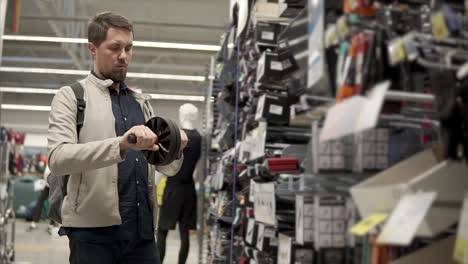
<point>38,247</point>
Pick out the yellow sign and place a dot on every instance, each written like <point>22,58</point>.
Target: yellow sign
<point>461,250</point>
<point>366,225</point>
<point>439,27</point>
<point>461,246</point>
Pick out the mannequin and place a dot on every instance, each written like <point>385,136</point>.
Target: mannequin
<point>179,202</point>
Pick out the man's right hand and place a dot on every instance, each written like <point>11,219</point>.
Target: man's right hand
<point>146,139</point>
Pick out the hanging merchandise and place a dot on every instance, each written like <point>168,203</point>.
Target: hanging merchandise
<point>316,63</point>
<point>361,7</point>
<point>319,129</point>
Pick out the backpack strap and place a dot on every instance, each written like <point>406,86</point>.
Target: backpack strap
<point>80,104</point>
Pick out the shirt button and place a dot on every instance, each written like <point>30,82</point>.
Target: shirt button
<point>138,204</point>
<point>125,118</point>
<point>138,182</point>
<point>136,159</point>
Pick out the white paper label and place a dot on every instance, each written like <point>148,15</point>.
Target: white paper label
<point>300,219</point>
<point>276,109</point>
<point>260,236</point>
<point>268,35</point>
<point>405,219</point>
<point>355,114</point>
<point>252,191</point>
<point>276,65</point>
<point>250,231</point>
<point>284,249</point>
<point>316,36</point>
<point>260,107</point>
<point>265,204</point>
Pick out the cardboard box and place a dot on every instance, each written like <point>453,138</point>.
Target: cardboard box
<point>421,172</point>
<point>274,108</point>
<point>275,66</point>
<point>267,34</point>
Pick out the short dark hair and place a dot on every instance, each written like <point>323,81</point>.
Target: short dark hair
<point>100,24</point>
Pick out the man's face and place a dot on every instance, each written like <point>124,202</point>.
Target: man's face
<point>113,55</point>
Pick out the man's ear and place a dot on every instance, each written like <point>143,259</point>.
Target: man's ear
<point>92,49</point>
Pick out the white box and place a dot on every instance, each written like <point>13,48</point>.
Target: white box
<point>369,162</point>
<point>383,135</point>
<point>338,162</point>
<point>308,222</point>
<point>369,135</point>
<point>382,148</point>
<point>368,148</point>
<point>309,235</point>
<point>338,241</point>
<point>309,209</point>
<point>421,172</point>
<point>325,241</point>
<point>339,212</point>
<point>324,148</point>
<point>325,227</point>
<point>337,147</point>
<point>325,162</point>
<point>339,226</point>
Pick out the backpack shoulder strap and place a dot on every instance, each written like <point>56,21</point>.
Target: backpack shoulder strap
<point>80,104</point>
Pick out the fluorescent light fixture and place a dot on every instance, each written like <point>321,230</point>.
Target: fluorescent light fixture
<point>27,90</point>
<point>147,44</point>
<point>25,107</point>
<point>173,97</point>
<point>193,78</point>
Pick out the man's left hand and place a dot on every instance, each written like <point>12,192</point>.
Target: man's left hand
<point>183,140</point>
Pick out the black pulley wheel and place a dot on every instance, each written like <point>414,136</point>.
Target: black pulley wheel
<point>169,141</point>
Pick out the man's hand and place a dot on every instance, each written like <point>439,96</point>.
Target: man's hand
<point>146,139</point>
<point>183,140</point>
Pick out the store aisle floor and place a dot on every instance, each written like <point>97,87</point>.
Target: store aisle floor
<point>38,247</point>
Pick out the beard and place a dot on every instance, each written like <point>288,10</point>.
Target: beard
<point>116,75</point>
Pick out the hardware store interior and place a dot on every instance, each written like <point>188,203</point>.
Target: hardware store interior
<point>234,131</point>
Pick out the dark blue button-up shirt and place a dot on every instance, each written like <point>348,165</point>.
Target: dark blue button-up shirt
<point>134,204</point>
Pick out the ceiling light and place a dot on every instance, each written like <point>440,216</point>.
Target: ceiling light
<point>27,90</point>
<point>147,44</point>
<point>25,107</point>
<point>173,97</point>
<point>83,72</point>
<point>193,98</point>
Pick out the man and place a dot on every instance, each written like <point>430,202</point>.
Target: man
<point>108,213</point>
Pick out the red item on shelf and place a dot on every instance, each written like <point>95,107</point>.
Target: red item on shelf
<point>282,161</point>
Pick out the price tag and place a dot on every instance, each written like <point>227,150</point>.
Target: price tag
<point>342,26</point>
<point>439,26</point>
<point>366,225</point>
<point>461,244</point>
<point>406,218</point>
<point>264,203</point>
<point>284,249</point>
<point>396,51</point>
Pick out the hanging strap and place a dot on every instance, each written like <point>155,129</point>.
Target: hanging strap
<point>80,104</point>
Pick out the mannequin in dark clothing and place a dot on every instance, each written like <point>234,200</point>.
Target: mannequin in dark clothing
<point>180,199</point>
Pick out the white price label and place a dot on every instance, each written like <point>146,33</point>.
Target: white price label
<point>276,65</point>
<point>268,35</point>
<point>265,203</point>
<point>405,219</point>
<point>276,109</point>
